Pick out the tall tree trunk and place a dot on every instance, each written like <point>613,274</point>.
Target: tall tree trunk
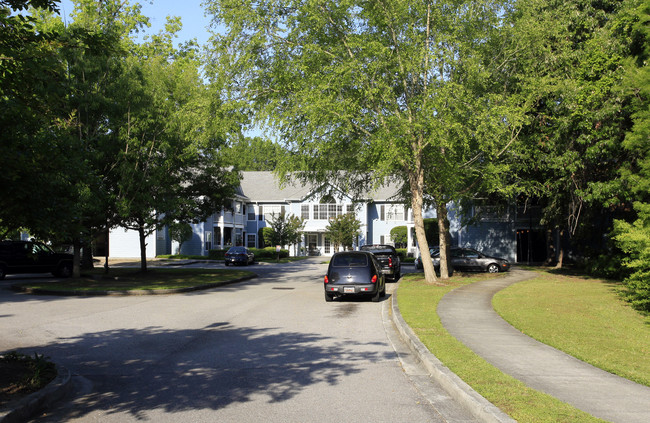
<point>560,257</point>
<point>87,256</point>
<point>417,199</point>
<point>143,249</point>
<point>76,258</point>
<point>443,238</point>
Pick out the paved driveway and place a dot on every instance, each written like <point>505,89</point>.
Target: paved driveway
<point>270,349</point>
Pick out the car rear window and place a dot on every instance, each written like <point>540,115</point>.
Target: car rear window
<point>350,260</point>
<point>378,249</point>
<point>237,250</point>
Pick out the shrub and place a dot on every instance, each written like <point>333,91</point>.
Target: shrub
<point>634,239</point>
<point>265,237</point>
<point>401,252</point>
<point>268,253</point>
<point>399,235</point>
<point>216,254</point>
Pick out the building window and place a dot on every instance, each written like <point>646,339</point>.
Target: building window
<point>261,215</point>
<point>382,239</point>
<point>327,211</point>
<point>250,240</point>
<point>327,245</point>
<point>208,240</point>
<point>349,209</point>
<point>269,211</point>
<point>251,212</point>
<point>491,212</point>
<point>304,211</point>
<point>395,212</point>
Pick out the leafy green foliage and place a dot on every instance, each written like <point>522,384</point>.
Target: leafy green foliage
<point>180,232</point>
<point>573,63</point>
<point>265,237</point>
<point>343,230</point>
<point>286,229</point>
<point>633,236</point>
<point>399,235</point>
<point>359,92</point>
<point>253,154</point>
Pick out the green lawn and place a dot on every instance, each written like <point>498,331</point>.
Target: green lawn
<point>124,279</point>
<point>583,317</point>
<point>418,302</point>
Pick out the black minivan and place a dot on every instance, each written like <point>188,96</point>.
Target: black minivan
<point>354,273</point>
<point>32,257</point>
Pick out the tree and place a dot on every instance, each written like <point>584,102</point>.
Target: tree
<point>46,173</point>
<point>253,154</point>
<point>343,230</point>
<point>180,232</point>
<point>571,152</point>
<point>361,92</point>
<point>287,229</point>
<point>168,164</point>
<point>634,237</point>
<point>265,237</point>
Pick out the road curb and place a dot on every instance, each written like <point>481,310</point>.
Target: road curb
<point>480,408</point>
<point>25,408</point>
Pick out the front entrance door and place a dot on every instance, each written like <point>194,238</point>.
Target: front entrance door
<point>312,245</point>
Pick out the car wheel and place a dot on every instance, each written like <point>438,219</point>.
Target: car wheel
<point>493,268</point>
<point>376,297</point>
<point>383,291</point>
<point>226,263</point>
<point>3,272</point>
<point>329,297</point>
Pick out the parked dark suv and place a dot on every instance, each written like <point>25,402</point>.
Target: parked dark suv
<point>32,257</point>
<point>388,259</point>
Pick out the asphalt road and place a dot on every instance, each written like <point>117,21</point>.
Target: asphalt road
<point>269,349</point>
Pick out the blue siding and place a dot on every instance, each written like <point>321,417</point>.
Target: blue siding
<point>492,238</point>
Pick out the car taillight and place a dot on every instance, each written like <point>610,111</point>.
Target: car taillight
<point>374,279</point>
<point>390,262</point>
<point>326,279</point>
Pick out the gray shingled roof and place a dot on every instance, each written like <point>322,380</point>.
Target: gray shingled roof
<point>263,186</point>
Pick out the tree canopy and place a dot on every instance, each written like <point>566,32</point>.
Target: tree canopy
<point>104,131</point>
<point>414,91</point>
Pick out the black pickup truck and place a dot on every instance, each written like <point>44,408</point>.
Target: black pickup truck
<point>388,258</point>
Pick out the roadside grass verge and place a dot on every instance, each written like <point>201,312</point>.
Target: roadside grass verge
<point>418,302</point>
<point>583,317</point>
<point>204,258</point>
<point>124,279</point>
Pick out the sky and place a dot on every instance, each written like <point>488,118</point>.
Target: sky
<point>190,11</point>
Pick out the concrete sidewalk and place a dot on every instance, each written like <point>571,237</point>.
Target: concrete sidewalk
<point>468,315</point>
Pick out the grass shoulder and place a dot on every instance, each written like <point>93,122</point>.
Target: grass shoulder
<point>584,317</point>
<point>418,302</point>
<point>127,279</point>
<point>204,258</point>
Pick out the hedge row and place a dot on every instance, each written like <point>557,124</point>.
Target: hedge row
<point>260,253</point>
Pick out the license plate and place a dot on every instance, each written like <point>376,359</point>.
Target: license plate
<point>348,290</point>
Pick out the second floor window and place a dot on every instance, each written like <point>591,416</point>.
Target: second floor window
<point>392,212</point>
<point>327,211</point>
<point>269,211</point>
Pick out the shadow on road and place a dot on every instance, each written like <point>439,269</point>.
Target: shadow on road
<point>208,368</point>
